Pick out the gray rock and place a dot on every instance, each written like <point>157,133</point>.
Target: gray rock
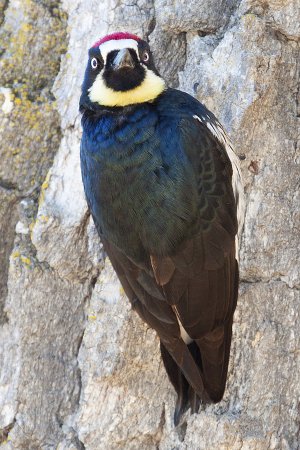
<point>207,16</point>
<point>72,372</point>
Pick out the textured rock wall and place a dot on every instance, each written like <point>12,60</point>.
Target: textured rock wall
<point>72,373</point>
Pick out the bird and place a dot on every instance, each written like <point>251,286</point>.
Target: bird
<point>164,188</point>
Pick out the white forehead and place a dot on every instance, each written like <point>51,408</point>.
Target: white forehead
<point>109,46</point>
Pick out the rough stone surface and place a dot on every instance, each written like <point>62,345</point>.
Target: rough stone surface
<point>32,38</point>
<point>72,372</point>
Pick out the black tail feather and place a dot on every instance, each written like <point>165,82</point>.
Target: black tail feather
<point>186,395</point>
<point>179,382</point>
<point>194,399</point>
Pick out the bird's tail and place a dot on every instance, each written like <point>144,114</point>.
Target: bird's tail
<point>211,355</point>
<point>186,394</point>
<point>179,382</point>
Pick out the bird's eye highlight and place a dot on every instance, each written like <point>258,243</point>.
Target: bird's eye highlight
<point>145,57</point>
<point>94,63</point>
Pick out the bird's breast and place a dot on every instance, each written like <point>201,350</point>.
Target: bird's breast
<point>137,184</point>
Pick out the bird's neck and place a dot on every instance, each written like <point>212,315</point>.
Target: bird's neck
<point>148,90</point>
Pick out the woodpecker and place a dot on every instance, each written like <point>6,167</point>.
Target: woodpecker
<point>164,188</point>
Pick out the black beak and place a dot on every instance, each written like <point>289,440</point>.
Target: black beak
<point>123,60</point>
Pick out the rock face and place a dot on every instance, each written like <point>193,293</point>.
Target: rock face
<point>72,373</point>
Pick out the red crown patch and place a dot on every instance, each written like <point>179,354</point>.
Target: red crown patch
<point>116,37</point>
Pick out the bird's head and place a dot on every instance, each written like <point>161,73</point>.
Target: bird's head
<point>120,72</point>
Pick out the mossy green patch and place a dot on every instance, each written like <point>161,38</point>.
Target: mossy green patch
<point>32,52</point>
<point>30,131</point>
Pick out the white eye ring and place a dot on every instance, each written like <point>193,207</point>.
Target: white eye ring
<point>146,57</point>
<point>94,63</point>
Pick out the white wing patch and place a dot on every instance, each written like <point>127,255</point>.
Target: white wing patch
<point>237,184</point>
<point>184,335</point>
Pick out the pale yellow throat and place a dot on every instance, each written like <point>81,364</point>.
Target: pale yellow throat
<point>148,90</point>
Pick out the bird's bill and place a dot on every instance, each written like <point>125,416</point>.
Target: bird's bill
<point>123,60</point>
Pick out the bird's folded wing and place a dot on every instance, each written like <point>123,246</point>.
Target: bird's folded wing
<point>200,277</point>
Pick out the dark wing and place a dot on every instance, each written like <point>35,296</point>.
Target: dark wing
<point>204,284</point>
<point>148,300</point>
<point>198,282</point>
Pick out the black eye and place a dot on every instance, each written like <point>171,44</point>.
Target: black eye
<point>145,57</point>
<point>94,63</point>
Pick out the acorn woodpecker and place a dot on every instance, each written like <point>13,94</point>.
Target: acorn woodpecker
<point>164,188</point>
